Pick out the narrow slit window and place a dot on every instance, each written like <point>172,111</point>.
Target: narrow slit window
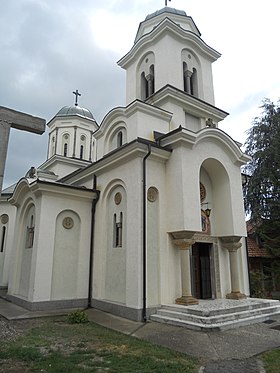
<point>119,139</point>
<point>65,150</point>
<point>82,152</point>
<point>3,236</point>
<point>30,234</point>
<point>118,231</point>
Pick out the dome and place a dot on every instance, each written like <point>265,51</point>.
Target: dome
<point>166,10</point>
<point>75,110</point>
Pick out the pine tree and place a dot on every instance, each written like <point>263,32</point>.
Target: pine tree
<point>262,191</point>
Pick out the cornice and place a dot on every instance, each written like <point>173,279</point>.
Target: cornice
<point>164,27</point>
<point>190,103</point>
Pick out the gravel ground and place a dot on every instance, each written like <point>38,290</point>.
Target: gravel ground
<point>7,331</point>
<point>11,330</point>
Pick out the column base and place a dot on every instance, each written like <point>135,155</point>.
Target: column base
<point>236,295</point>
<point>186,300</point>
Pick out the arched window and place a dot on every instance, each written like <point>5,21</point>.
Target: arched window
<point>119,139</point>
<point>65,144</point>
<point>53,145</point>
<point>30,233</point>
<point>65,150</point>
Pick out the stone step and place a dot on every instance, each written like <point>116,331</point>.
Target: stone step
<point>214,316</point>
<point>220,318</point>
<point>211,327</point>
<point>221,311</point>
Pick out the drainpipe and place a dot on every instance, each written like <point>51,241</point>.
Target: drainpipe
<point>144,310</point>
<point>91,252</point>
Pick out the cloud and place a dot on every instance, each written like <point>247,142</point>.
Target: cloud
<point>50,48</point>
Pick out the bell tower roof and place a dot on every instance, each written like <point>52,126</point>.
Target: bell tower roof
<point>166,10</point>
<point>152,20</point>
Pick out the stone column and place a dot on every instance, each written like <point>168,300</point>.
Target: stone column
<point>150,80</point>
<point>4,139</point>
<point>184,245</point>
<point>232,244</point>
<point>188,75</point>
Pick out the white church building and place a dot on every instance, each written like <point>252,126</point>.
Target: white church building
<point>143,209</point>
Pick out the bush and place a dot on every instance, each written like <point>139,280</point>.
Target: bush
<point>257,280</point>
<point>77,317</point>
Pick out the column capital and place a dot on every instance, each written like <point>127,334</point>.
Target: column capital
<point>231,243</point>
<point>183,239</point>
<point>184,243</point>
<point>149,77</point>
<point>188,73</point>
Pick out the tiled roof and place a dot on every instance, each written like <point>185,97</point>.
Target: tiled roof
<point>254,250</point>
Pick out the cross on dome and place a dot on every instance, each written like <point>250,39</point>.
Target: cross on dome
<point>76,93</point>
<point>166,2</point>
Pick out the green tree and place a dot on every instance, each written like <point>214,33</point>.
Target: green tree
<point>262,191</point>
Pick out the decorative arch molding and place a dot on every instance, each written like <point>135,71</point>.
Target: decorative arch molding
<point>220,137</point>
<point>115,115</point>
<point>112,138</point>
<point>111,186</point>
<point>21,190</point>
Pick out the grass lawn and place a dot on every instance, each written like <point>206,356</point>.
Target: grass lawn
<point>271,361</point>
<point>57,346</point>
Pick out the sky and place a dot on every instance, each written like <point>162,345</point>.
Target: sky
<point>50,48</point>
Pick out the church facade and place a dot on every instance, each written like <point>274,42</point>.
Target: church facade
<point>142,210</point>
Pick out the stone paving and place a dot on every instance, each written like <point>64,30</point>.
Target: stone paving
<point>222,304</point>
<point>252,365</point>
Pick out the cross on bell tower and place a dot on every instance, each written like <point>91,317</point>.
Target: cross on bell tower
<point>76,93</point>
<point>166,2</point>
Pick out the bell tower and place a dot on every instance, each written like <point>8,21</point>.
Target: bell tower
<point>169,58</point>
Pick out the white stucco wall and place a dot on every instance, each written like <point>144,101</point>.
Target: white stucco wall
<point>5,256</point>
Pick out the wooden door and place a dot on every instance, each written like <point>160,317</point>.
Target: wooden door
<point>201,271</point>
